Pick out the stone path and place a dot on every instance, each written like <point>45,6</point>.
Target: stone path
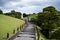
<point>27,34</point>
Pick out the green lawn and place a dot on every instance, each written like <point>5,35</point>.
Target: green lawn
<point>7,25</point>
<point>32,16</point>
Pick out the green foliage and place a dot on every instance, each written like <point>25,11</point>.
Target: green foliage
<point>56,35</point>
<point>25,15</point>
<point>49,9</point>
<point>13,11</point>
<point>48,19</point>
<point>14,14</point>
<point>1,12</point>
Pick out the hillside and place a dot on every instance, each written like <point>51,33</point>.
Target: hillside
<point>7,25</point>
<point>32,16</point>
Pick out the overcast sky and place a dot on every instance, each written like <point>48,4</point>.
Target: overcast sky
<point>27,6</point>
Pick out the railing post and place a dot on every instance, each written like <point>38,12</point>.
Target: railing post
<point>7,35</point>
<point>17,29</point>
<point>14,31</point>
<point>20,28</point>
<point>38,34</point>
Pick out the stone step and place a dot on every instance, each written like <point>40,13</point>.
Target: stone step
<point>27,33</point>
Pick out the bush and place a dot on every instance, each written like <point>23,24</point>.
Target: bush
<point>1,12</point>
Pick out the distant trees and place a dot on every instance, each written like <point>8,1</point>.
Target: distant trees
<point>1,12</point>
<point>15,14</point>
<point>25,15</point>
<point>34,13</point>
<point>49,9</point>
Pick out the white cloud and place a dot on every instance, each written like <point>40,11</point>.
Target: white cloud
<point>27,6</point>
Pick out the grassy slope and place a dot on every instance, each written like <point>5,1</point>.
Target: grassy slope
<point>32,16</point>
<point>7,24</point>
